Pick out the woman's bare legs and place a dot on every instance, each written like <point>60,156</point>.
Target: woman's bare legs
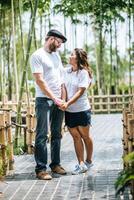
<point>78,144</point>
<point>84,132</point>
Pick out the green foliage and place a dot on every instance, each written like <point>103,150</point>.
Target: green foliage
<point>1,166</point>
<point>123,88</point>
<point>32,90</point>
<point>100,11</point>
<point>126,175</point>
<point>43,5</point>
<point>64,56</point>
<point>6,3</point>
<point>20,149</point>
<point>129,158</point>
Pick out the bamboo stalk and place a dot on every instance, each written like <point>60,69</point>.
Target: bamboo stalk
<point>14,51</point>
<point>125,130</point>
<point>130,133</point>
<point>33,122</point>
<point>29,130</point>
<point>24,75</point>
<point>3,142</point>
<point>108,102</point>
<point>10,141</point>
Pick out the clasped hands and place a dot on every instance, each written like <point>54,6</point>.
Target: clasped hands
<point>61,104</point>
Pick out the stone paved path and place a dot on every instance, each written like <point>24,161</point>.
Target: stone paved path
<point>96,184</point>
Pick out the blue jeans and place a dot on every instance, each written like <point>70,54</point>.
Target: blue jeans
<point>47,113</point>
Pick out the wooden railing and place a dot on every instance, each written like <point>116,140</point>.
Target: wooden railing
<point>6,142</point>
<point>7,136</point>
<point>109,103</point>
<point>99,103</point>
<point>128,136</point>
<point>128,128</point>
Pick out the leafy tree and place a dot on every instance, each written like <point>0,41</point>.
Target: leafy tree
<point>102,14</point>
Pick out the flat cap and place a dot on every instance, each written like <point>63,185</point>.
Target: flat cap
<point>57,34</point>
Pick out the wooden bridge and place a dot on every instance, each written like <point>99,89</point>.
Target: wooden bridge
<point>113,136</point>
<point>96,184</point>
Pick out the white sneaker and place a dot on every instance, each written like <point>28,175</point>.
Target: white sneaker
<point>88,164</point>
<point>80,169</point>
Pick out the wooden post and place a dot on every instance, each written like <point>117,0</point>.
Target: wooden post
<point>92,101</point>
<point>3,142</point>
<point>108,102</point>
<point>10,141</point>
<point>130,133</point>
<point>100,103</point>
<point>131,107</point>
<point>125,130</point>
<point>29,135</point>
<point>33,122</point>
<point>25,139</point>
<point>123,100</point>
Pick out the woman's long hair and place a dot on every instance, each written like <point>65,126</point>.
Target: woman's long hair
<point>82,61</point>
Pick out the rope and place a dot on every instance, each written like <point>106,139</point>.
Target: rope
<point>30,115</point>
<point>4,109</point>
<point>8,125</point>
<point>30,130</point>
<point>12,124</point>
<point>10,109</point>
<point>19,125</point>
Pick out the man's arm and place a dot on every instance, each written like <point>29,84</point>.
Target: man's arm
<point>44,87</point>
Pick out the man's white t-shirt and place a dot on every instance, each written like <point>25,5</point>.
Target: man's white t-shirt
<point>73,81</point>
<point>50,65</point>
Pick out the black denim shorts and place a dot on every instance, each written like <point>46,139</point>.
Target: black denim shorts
<point>78,118</point>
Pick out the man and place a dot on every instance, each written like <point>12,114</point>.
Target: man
<point>47,70</point>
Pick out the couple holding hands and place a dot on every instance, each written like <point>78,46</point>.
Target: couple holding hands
<point>60,89</point>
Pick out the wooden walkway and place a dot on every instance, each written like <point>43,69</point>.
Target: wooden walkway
<point>96,184</point>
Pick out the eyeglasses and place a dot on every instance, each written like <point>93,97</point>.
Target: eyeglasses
<point>58,40</point>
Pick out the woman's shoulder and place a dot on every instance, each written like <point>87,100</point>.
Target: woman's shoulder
<point>83,72</point>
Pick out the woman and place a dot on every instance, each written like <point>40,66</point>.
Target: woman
<point>77,108</point>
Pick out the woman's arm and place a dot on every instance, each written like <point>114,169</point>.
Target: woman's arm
<point>74,98</point>
<point>63,92</point>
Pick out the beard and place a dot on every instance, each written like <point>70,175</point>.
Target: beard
<point>52,47</point>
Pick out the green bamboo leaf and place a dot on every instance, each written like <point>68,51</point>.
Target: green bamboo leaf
<point>129,158</point>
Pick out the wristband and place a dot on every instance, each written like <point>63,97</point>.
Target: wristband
<point>57,102</point>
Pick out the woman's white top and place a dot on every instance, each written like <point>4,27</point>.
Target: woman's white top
<point>73,81</point>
